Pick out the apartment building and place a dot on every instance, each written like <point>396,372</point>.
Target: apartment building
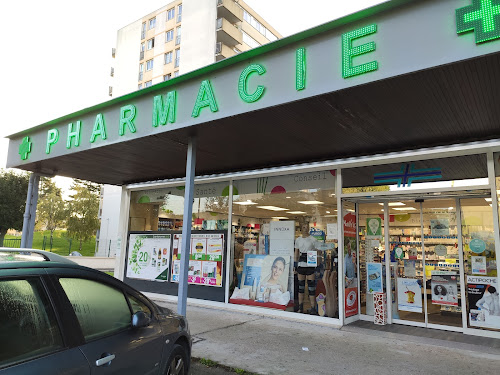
<point>149,50</point>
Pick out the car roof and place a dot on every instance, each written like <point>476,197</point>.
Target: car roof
<point>20,256</point>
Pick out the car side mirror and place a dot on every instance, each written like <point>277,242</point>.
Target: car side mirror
<point>140,319</point>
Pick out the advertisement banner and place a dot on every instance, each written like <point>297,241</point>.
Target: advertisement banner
<point>440,227</point>
<point>350,265</point>
<point>351,302</point>
<point>409,295</point>
<point>149,256</point>
<point>374,278</point>
<point>374,227</point>
<point>205,259</point>
<point>444,288</point>
<point>484,302</point>
<point>479,265</point>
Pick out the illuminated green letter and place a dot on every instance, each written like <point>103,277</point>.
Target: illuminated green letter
<point>164,109</point>
<point>300,69</point>
<point>74,134</point>
<point>243,83</point>
<point>52,138</point>
<point>127,115</point>
<point>99,128</point>
<point>205,98</point>
<point>349,52</point>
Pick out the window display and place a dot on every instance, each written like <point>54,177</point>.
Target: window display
<point>285,243</point>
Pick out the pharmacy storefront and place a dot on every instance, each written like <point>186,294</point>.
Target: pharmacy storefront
<point>349,172</point>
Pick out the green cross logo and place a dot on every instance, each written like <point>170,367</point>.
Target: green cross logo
<point>483,16</point>
<point>25,148</point>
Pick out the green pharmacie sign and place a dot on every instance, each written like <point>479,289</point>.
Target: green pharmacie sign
<point>336,56</point>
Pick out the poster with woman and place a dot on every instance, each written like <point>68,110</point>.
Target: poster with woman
<point>444,288</point>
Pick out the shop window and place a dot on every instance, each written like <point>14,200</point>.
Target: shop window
<point>285,243</point>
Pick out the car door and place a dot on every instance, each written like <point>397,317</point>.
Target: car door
<point>31,340</point>
<point>111,345</point>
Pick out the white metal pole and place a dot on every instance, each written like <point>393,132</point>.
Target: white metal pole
<point>340,259</point>
<point>424,278</point>
<point>494,206</point>
<point>229,240</point>
<point>388,285</point>
<point>463,303</point>
<point>186,227</point>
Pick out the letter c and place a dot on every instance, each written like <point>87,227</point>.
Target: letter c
<point>243,83</point>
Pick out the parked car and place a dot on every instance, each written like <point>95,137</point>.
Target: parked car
<point>61,318</point>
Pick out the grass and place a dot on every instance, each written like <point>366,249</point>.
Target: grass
<point>209,363</point>
<point>60,243</point>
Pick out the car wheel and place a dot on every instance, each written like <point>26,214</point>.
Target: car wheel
<point>177,363</point>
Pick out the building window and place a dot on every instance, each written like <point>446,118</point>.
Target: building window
<point>169,35</point>
<point>178,39</point>
<point>141,54</point>
<point>139,86</point>
<point>247,39</point>
<point>168,57</point>
<point>176,74</point>
<point>141,70</point>
<point>151,43</point>
<point>143,30</point>
<point>170,14</point>
<point>149,64</point>
<point>179,13</point>
<point>177,57</point>
<point>258,26</point>
<point>148,83</point>
<point>152,23</point>
<point>166,77</point>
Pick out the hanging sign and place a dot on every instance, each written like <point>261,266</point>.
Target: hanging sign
<point>477,245</point>
<point>374,227</point>
<point>441,250</point>
<point>399,253</point>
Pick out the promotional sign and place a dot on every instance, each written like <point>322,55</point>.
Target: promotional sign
<point>409,295</point>
<point>441,250</point>
<point>205,259</point>
<point>484,302</point>
<point>410,269</point>
<point>373,227</point>
<point>282,238</point>
<point>444,288</point>
<point>351,302</point>
<point>440,227</point>
<point>477,245</point>
<point>374,278</point>
<point>332,231</point>
<point>149,256</point>
<point>479,265</point>
<point>399,253</point>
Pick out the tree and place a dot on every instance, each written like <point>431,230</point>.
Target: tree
<point>13,192</point>
<point>83,208</point>
<point>51,210</point>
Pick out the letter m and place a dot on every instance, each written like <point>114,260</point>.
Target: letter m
<point>164,109</point>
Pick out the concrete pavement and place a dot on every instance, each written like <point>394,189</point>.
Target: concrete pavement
<point>266,345</point>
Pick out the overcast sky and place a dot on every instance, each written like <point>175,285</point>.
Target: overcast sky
<point>56,54</point>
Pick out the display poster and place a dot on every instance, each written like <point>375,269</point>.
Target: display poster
<point>374,278</point>
<point>312,258</point>
<point>479,265</point>
<point>205,259</point>
<point>477,245</point>
<point>412,253</point>
<point>373,227</point>
<point>444,288</point>
<point>441,250</point>
<point>484,302</point>
<point>409,295</point>
<point>351,302</point>
<point>267,278</point>
<point>399,253</point>
<point>410,269</point>
<point>440,227</point>
<point>149,256</point>
<point>332,231</point>
<point>282,238</point>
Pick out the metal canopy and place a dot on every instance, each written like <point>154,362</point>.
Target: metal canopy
<point>424,93</point>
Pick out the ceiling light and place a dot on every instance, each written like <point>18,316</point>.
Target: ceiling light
<point>488,199</point>
<point>245,203</point>
<point>288,197</point>
<point>451,208</point>
<point>327,212</point>
<point>392,204</point>
<point>273,208</point>
<point>330,216</point>
<point>405,208</point>
<point>296,212</point>
<point>280,217</point>
<point>310,202</point>
<point>348,209</point>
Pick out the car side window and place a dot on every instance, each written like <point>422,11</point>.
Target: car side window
<point>101,309</point>
<point>138,305</point>
<point>28,326</point>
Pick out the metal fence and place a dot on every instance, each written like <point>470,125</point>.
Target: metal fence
<point>12,242</point>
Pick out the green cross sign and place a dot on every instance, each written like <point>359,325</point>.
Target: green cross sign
<point>483,16</point>
<point>25,148</point>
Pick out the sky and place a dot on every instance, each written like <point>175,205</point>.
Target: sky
<point>56,54</point>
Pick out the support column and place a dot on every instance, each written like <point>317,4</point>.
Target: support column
<point>30,211</point>
<point>186,227</point>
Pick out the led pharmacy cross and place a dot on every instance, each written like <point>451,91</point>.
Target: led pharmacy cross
<point>406,175</point>
<point>483,16</point>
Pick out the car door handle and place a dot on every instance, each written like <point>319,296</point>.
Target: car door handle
<point>105,360</point>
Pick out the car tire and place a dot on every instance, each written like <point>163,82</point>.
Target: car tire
<point>178,361</point>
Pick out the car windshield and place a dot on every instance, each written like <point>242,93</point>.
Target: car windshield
<point>20,256</point>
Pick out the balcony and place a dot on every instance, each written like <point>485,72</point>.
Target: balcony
<point>223,52</point>
<point>229,10</point>
<point>227,33</point>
